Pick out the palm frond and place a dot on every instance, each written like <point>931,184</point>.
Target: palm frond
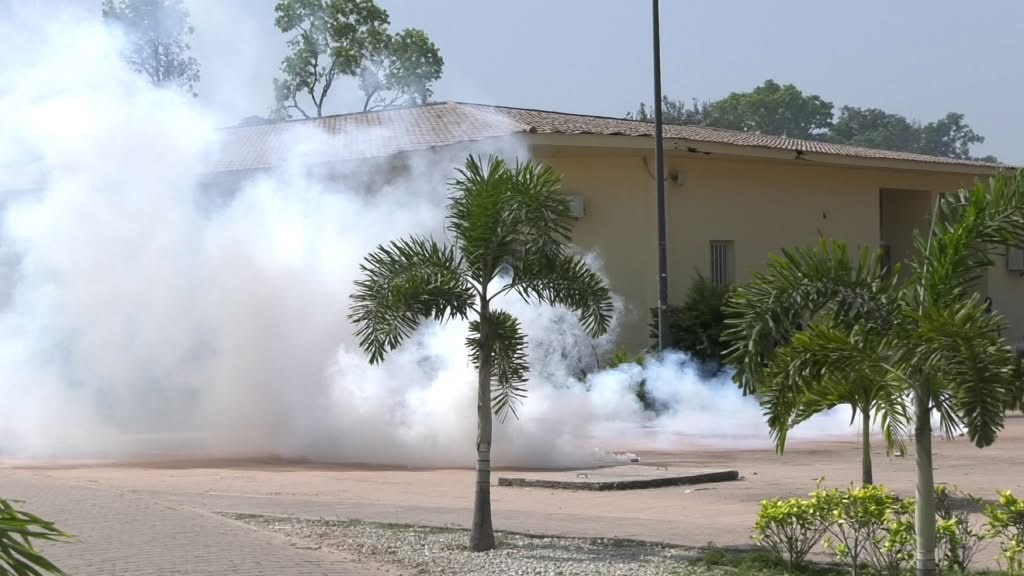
<point>501,215</point>
<point>476,216</point>
<point>793,290</point>
<point>403,283</point>
<point>540,213</point>
<point>508,360</point>
<point>568,281</point>
<point>17,531</point>
<point>968,229</point>
<point>826,365</point>
<point>973,365</point>
<point>892,412</point>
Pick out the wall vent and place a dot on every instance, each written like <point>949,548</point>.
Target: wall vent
<point>576,207</point>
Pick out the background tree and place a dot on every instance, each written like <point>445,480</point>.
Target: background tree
<point>510,226</point>
<point>942,346</point>
<point>874,128</point>
<point>402,72</point>
<point>157,34</point>
<point>673,112</point>
<point>948,136</point>
<point>786,111</point>
<point>773,109</point>
<point>332,39</point>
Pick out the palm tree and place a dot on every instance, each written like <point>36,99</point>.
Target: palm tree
<point>826,366</point>
<point>929,335</point>
<point>510,230</point>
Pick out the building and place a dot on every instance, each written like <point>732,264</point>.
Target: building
<point>733,198</point>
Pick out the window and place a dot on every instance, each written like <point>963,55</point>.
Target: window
<point>722,262</point>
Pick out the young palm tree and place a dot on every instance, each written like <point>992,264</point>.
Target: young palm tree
<point>510,230</point>
<point>826,366</point>
<point>930,335</point>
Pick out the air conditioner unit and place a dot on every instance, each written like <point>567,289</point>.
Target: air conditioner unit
<point>576,209</point>
<point>1015,259</point>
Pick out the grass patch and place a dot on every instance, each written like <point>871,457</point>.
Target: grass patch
<point>754,562</point>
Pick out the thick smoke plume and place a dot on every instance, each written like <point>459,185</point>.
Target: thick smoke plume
<point>143,314</point>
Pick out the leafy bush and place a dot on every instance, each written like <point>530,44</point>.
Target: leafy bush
<point>1006,522</point>
<point>959,541</point>
<point>790,528</point>
<point>620,357</point>
<point>696,326</point>
<point>17,530</point>
<point>856,521</point>
<point>892,550</point>
<point>871,527</point>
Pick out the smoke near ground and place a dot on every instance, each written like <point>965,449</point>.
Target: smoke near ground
<point>143,314</point>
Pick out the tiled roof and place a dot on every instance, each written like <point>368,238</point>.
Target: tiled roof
<point>376,134</point>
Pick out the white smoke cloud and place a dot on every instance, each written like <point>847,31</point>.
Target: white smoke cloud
<point>144,315</point>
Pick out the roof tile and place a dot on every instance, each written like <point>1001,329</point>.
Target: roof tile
<point>376,134</point>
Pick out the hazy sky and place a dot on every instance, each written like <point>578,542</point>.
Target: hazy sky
<point>920,58</point>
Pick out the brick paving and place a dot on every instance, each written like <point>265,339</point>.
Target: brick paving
<point>121,533</point>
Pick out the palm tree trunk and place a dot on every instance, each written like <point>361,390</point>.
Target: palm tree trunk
<point>866,477</point>
<point>481,537</point>
<point>925,514</point>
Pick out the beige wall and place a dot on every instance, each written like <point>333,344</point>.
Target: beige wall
<point>761,205</point>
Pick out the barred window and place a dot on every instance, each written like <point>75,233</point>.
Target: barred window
<point>722,262</point>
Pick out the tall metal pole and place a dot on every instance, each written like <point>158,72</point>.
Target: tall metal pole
<point>659,177</point>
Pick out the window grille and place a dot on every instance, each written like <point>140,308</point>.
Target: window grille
<point>722,262</point>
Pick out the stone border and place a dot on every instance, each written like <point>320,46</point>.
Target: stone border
<point>637,484</point>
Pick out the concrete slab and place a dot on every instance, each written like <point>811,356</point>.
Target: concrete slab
<point>626,477</point>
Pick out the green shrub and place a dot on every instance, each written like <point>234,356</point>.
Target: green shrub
<point>871,527</point>
<point>17,530</point>
<point>696,326</point>
<point>1006,522</point>
<point>958,540</point>
<point>891,551</point>
<point>620,357</point>
<point>856,523</point>
<point>789,528</point>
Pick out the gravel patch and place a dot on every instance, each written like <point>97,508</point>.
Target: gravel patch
<point>434,551</point>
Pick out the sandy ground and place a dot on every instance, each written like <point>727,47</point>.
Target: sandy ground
<point>694,515</point>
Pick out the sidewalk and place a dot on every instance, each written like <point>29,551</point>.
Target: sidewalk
<point>126,534</point>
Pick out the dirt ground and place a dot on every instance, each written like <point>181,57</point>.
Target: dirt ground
<point>690,515</point>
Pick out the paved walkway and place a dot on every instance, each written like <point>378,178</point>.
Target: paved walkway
<point>128,534</point>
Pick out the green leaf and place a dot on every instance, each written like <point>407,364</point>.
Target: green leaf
<point>566,280</point>
<point>508,360</point>
<point>795,289</point>
<point>405,282</point>
<point>17,531</point>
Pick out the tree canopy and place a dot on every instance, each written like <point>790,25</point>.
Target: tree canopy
<point>157,34</point>
<point>332,39</point>
<point>784,110</point>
